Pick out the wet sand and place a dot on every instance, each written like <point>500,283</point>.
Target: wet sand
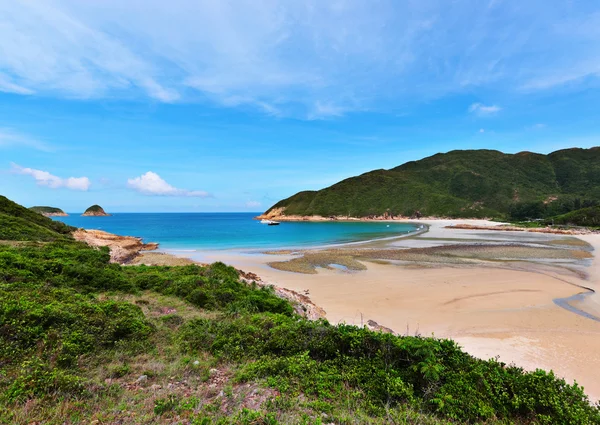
<point>491,308</point>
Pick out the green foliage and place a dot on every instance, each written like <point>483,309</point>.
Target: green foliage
<point>20,223</point>
<point>318,359</point>
<point>164,405</point>
<point>215,287</point>
<point>19,229</point>
<point>589,217</point>
<point>475,183</point>
<point>46,330</point>
<point>55,318</point>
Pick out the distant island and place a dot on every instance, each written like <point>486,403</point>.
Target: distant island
<point>49,211</point>
<point>461,184</point>
<point>95,211</point>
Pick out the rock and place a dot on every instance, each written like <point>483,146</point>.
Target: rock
<point>196,362</point>
<point>374,326</point>
<point>213,372</point>
<point>142,379</point>
<point>156,387</point>
<point>122,248</point>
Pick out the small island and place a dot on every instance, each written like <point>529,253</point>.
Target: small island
<point>95,211</point>
<point>49,211</point>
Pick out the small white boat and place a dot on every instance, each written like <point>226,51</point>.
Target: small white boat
<point>269,222</point>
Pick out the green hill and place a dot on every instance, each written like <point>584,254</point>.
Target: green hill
<point>20,223</point>
<point>86,341</point>
<point>47,210</point>
<point>470,183</point>
<point>95,210</point>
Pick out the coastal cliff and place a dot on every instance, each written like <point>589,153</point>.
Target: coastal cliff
<point>95,211</point>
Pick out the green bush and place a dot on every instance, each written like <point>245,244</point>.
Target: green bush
<point>322,360</point>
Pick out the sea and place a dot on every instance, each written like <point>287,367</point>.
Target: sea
<point>234,231</point>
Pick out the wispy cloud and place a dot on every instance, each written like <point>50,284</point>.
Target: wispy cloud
<point>284,58</point>
<point>12,138</point>
<point>151,183</point>
<point>538,126</point>
<point>483,110</point>
<point>253,204</point>
<point>44,178</point>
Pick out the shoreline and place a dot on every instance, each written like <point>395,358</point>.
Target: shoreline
<point>497,308</point>
<point>532,314</point>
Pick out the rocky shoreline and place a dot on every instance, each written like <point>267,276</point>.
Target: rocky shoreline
<point>60,214</point>
<point>278,214</point>
<point>122,248</point>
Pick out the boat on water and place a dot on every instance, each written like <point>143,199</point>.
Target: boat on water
<point>269,222</point>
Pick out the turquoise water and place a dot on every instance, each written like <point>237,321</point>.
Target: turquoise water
<point>206,231</point>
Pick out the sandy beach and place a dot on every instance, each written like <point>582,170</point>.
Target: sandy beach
<point>493,292</point>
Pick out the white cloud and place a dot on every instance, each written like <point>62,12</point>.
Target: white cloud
<point>324,110</point>
<point>284,57</point>
<point>482,110</point>
<point>44,178</point>
<point>151,183</point>
<point>12,138</point>
<point>481,130</point>
<point>253,204</point>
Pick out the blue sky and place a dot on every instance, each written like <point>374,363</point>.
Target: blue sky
<point>232,105</point>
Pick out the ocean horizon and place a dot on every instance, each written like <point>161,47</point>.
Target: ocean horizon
<point>220,231</point>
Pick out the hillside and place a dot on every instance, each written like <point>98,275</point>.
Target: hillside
<point>49,211</point>
<point>20,223</point>
<point>95,211</point>
<point>83,338</point>
<point>470,183</point>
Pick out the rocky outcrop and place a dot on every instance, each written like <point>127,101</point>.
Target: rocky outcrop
<point>122,248</point>
<point>95,211</point>
<point>57,214</point>
<point>301,303</point>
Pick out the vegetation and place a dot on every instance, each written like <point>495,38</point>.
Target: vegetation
<point>473,183</point>
<point>588,217</point>
<point>94,210</point>
<point>47,210</point>
<point>20,223</point>
<point>86,341</point>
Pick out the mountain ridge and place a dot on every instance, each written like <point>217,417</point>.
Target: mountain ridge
<point>459,184</point>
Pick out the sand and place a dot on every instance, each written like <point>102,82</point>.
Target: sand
<point>489,309</point>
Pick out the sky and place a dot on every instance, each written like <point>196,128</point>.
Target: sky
<point>217,105</point>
